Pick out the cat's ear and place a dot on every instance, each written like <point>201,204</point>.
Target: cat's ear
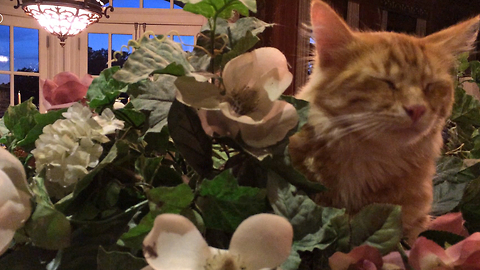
<point>329,30</point>
<point>458,38</point>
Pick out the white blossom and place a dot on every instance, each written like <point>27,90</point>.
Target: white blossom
<point>71,146</point>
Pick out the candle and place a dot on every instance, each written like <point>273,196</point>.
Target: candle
<point>19,97</point>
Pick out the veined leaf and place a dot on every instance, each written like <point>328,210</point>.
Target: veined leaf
<point>219,8</point>
<point>20,119</point>
<point>190,139</point>
<point>155,99</point>
<point>379,226</point>
<point>155,55</point>
<point>224,204</point>
<point>105,89</point>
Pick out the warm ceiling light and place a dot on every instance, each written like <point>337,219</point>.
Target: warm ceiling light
<point>64,18</point>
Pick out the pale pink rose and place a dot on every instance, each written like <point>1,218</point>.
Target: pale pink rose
<point>64,90</point>
<point>362,257</point>
<point>451,222</point>
<point>426,254</point>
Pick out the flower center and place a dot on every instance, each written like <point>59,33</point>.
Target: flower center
<point>243,101</point>
<point>224,261</point>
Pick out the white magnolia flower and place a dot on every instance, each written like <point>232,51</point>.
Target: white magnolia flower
<point>68,147</point>
<point>15,205</point>
<point>249,105</point>
<point>261,241</point>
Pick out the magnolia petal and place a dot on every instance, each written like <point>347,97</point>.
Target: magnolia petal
<point>451,222</point>
<point>366,256</point>
<point>64,77</point>
<point>262,241</point>
<point>68,92</point>
<point>276,124</point>
<point>393,260</point>
<point>87,80</point>
<point>214,123</point>
<point>272,71</point>
<point>47,89</point>
<point>15,208</point>
<point>197,94</point>
<point>175,243</point>
<point>426,254</point>
<point>10,165</point>
<point>462,250</point>
<point>241,72</point>
<point>228,111</point>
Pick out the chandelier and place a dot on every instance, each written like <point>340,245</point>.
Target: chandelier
<point>64,18</point>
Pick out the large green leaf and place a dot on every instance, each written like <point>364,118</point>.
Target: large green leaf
<point>466,108</point>
<point>219,8</point>
<point>171,199</point>
<point>470,206</point>
<point>190,139</point>
<point>105,88</point>
<point>224,204</point>
<point>41,120</point>
<point>155,99</point>
<point>379,226</point>
<point>20,119</point>
<point>47,227</point>
<point>153,56</point>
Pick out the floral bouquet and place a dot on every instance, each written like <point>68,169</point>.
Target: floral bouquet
<point>194,172</point>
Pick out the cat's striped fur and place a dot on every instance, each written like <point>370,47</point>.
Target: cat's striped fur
<point>379,102</point>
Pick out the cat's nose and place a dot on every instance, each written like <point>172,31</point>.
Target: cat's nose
<point>415,111</point>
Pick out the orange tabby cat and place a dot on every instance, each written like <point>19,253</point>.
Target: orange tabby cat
<point>379,101</point>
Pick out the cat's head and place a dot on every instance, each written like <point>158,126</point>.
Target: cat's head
<point>394,82</point>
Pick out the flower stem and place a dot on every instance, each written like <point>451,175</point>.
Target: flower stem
<point>404,257</point>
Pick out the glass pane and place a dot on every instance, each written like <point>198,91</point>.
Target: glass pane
<point>97,53</point>
<point>187,42</point>
<point>4,47</point>
<point>25,88</point>
<point>4,93</point>
<point>25,49</point>
<point>178,4</point>
<point>156,3</point>
<point>126,3</point>
<point>118,40</point>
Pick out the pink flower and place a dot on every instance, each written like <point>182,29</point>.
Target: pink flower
<point>362,257</point>
<point>451,222</point>
<point>65,89</point>
<point>426,254</point>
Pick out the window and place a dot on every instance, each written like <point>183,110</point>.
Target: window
<point>19,65</point>
<point>163,4</point>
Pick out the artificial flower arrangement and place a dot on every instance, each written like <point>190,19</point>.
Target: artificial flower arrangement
<point>193,173</point>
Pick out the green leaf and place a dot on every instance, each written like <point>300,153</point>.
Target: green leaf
<point>379,226</point>
<point>242,46</point>
<point>105,88</point>
<point>134,237</point>
<point>153,56</point>
<point>190,139</point>
<point>41,120</point>
<point>282,165</point>
<point>48,228</point>
<point>219,8</point>
<point>466,108</point>
<point>155,99</point>
<point>20,119</point>
<point>171,199</point>
<point>115,260</point>
<point>470,206</point>
<point>224,204</point>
